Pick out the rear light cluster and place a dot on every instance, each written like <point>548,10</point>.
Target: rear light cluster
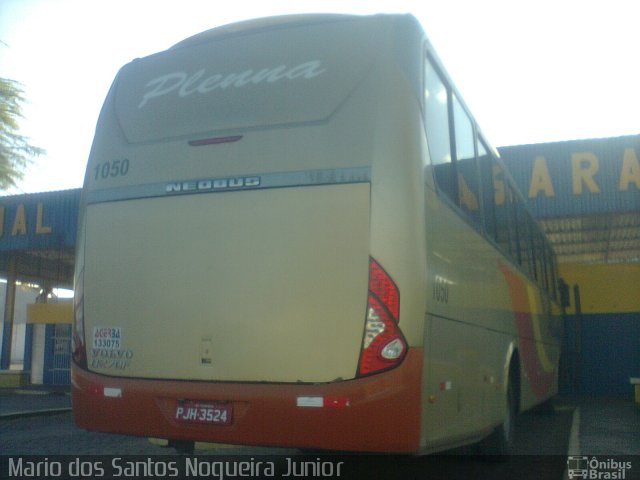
<point>383,345</point>
<point>79,352</point>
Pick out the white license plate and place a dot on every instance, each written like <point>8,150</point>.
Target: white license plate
<point>207,413</point>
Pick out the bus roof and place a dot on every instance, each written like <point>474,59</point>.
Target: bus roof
<point>267,23</point>
<point>264,73</point>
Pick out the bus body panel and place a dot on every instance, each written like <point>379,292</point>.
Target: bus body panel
<point>257,295</point>
<point>382,414</point>
<point>281,271</point>
<point>397,203</point>
<point>480,310</point>
<point>468,329</point>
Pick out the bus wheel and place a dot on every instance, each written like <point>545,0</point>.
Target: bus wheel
<point>545,408</point>
<point>500,443</point>
<point>183,447</point>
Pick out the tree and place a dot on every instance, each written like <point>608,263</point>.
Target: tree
<point>16,153</point>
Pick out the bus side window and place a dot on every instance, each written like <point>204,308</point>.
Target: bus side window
<point>555,281</point>
<point>436,112</point>
<point>503,207</point>
<point>539,257</point>
<point>525,239</point>
<point>488,194</point>
<point>466,166</point>
<point>548,277</point>
<point>514,244</point>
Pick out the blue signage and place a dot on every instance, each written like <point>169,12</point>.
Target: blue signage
<point>41,221</point>
<point>576,178</point>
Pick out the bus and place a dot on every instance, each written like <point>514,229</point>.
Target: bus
<point>293,233</point>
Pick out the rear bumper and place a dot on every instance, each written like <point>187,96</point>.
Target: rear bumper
<point>383,414</point>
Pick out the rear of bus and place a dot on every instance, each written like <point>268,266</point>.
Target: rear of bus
<point>241,273</point>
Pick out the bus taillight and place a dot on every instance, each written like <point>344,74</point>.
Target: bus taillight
<point>383,345</point>
<point>79,351</point>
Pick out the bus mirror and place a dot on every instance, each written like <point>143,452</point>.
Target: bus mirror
<point>563,289</point>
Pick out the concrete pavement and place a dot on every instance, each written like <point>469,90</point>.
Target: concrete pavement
<point>601,425</point>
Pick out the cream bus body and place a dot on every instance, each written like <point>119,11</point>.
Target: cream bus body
<point>262,235</point>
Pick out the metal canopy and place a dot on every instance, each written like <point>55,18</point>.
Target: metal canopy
<point>46,267</point>
<point>609,238</point>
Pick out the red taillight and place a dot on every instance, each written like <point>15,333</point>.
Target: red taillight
<point>79,352</point>
<point>383,345</point>
<point>381,285</point>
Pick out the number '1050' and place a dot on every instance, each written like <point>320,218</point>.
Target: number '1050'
<point>115,168</point>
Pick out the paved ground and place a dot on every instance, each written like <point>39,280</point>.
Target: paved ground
<point>609,426</point>
<point>56,435</point>
<point>29,401</point>
<point>605,427</point>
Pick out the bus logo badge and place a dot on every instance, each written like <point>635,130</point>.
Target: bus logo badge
<point>203,83</point>
<point>212,185</point>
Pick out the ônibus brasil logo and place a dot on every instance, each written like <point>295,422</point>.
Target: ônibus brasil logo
<point>594,468</point>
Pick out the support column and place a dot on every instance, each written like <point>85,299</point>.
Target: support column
<point>9,308</point>
<point>579,384</point>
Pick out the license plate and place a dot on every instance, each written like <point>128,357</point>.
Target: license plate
<point>207,413</point>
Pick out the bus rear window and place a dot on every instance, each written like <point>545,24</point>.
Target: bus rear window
<point>243,82</point>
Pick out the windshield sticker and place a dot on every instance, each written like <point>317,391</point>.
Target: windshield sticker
<point>107,349</point>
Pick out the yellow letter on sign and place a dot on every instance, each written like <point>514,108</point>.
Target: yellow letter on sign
<point>585,166</point>
<point>540,179</point>
<point>20,222</point>
<point>41,229</point>
<point>630,170</point>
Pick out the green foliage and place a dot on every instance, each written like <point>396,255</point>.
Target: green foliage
<point>16,153</point>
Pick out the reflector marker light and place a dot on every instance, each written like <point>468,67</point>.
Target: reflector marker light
<point>112,392</point>
<point>95,389</point>
<point>336,402</point>
<point>328,401</point>
<point>316,402</point>
<point>383,345</point>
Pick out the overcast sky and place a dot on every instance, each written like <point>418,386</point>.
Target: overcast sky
<point>531,71</point>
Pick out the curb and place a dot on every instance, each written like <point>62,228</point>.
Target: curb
<point>34,413</point>
<point>42,393</point>
<point>574,440</point>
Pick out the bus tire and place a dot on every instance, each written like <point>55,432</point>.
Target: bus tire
<point>545,408</point>
<point>500,444</point>
<point>182,447</point>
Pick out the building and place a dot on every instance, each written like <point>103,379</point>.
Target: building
<point>584,193</point>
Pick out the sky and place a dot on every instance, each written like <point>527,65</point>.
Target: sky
<point>530,71</point>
